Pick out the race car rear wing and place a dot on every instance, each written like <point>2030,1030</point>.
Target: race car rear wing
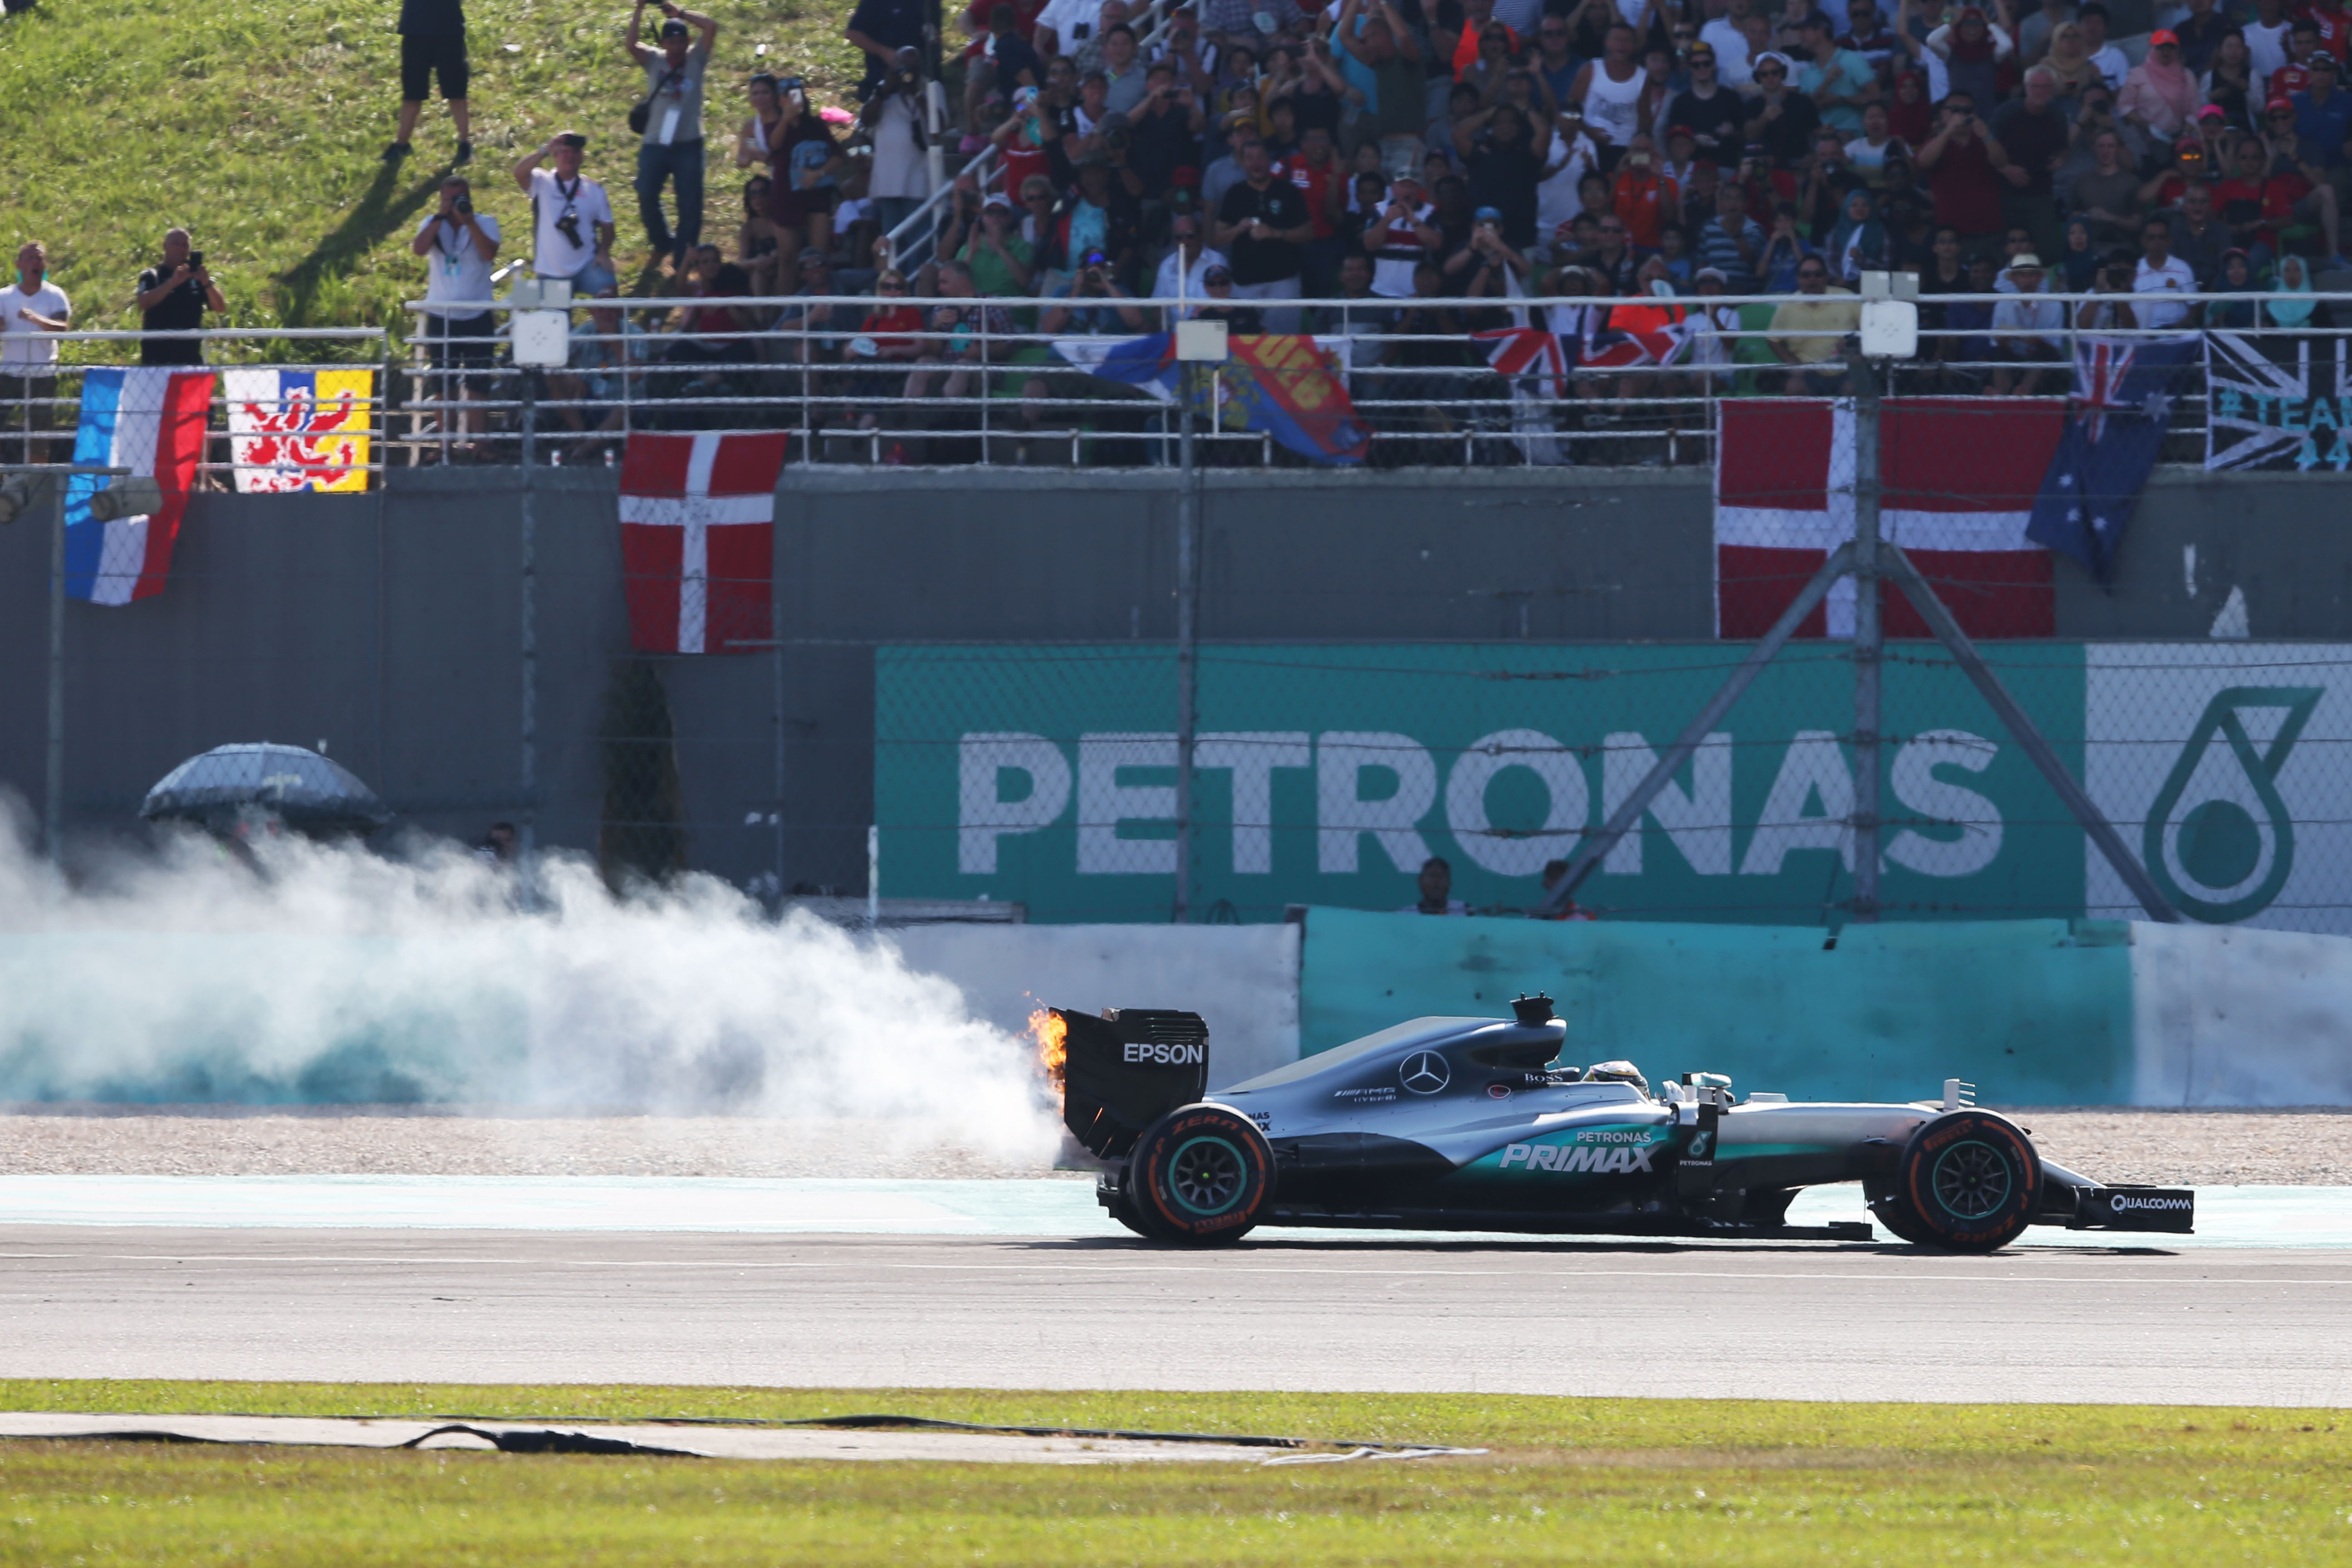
<point>1127,1068</point>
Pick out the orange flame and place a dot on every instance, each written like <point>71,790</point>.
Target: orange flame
<point>1052,1034</point>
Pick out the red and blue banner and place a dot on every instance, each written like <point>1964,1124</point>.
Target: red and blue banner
<point>150,420</point>
<point>1291,388</point>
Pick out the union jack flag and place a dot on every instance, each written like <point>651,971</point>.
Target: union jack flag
<point>1525,352</point>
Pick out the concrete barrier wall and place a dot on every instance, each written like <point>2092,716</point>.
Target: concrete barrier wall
<point>2032,1012</point>
<point>1242,979</point>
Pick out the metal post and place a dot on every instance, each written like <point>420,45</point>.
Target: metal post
<point>873,876</point>
<point>1188,627</point>
<point>776,811</point>
<point>1590,854</point>
<point>1868,644</point>
<point>53,802</point>
<point>2102,832</point>
<point>527,834</point>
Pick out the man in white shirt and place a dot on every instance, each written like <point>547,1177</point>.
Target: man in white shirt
<point>2161,272</point>
<point>2266,40</point>
<point>2113,63</point>
<point>459,245</point>
<point>572,217</point>
<point>28,359</point>
<point>1728,35</point>
<point>1198,259</point>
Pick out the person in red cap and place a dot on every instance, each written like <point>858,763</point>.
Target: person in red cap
<point>2160,96</point>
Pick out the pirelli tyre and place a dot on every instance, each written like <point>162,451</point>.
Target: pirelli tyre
<point>1200,1174</point>
<point>1969,1181</point>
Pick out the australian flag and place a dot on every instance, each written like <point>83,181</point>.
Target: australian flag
<point>2122,410</point>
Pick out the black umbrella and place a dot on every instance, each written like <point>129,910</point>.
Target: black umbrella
<point>299,787</point>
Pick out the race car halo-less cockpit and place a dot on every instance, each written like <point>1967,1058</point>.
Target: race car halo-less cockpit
<point>1473,1124</point>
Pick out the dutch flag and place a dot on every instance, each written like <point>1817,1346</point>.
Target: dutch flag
<point>150,420</point>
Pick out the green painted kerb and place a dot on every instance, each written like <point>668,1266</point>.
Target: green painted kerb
<point>2032,1012</point>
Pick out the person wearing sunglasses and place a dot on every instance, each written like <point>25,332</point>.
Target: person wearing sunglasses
<point>1782,118</point>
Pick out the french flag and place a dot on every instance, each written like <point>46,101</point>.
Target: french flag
<point>698,537</point>
<point>1959,476</point>
<point>151,421</point>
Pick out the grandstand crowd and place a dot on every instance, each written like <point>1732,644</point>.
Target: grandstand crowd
<point>1600,169</point>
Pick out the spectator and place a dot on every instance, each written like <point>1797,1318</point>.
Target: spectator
<point>1840,82</point>
<point>1867,34</point>
<point>1611,259</point>
<point>2272,194</point>
<point>899,175</point>
<point>963,335</point>
<point>1731,242</point>
<point>1963,164</point>
<point>1125,76</point>
<point>2157,94</point>
<point>1610,91</point>
<point>2200,34</point>
<point>2035,29</point>
<point>1641,194</point>
<point>2163,273</point>
<point>1711,111</point>
<point>670,150</point>
<point>1569,158</point>
<point>28,361</point>
<point>498,846</point>
<point>1973,320</point>
<point>1381,59</point>
<point>1107,213</point>
<point>2303,43</point>
<point>1553,871</point>
<point>2236,276</point>
<point>2111,63</point>
<point>1506,159</point>
<point>1225,172</point>
<point>2323,116</point>
<point>2267,37</point>
<point>755,238</point>
<point>755,142</point>
<point>2198,235</point>
<point>1972,51</point>
<point>173,298</point>
<point>1166,130</point>
<point>2034,134</point>
<point>1910,115</point>
<point>1197,259</point>
<point>1002,262</point>
<point>593,378</point>
<point>1554,64</point>
<point>1240,320</point>
<point>1727,35</point>
<point>1436,879</point>
<point>1868,151</point>
<point>1807,333</point>
<point>2229,87</point>
<point>807,161</point>
<point>1859,243</point>
<point>2082,258</point>
<point>431,43</point>
<point>1785,252</point>
<point>459,245</point>
<point>1264,226</point>
<point>1779,118</point>
<point>1821,196</point>
<point>572,237</point>
<point>2029,329</point>
<point>1398,237</point>
<point>2109,195</point>
<point>1314,172</point>
<point>2069,60</point>
<point>880,28</point>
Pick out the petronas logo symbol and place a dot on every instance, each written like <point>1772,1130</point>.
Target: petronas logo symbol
<point>2219,841</point>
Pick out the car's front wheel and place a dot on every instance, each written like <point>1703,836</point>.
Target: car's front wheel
<point>1969,1181</point>
<point>1202,1174</point>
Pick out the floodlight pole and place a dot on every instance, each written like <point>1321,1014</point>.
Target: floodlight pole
<point>1869,642</point>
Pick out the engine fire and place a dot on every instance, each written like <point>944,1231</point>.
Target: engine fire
<point>1052,1034</point>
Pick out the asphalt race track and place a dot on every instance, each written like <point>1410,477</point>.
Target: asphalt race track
<point>2060,1323</point>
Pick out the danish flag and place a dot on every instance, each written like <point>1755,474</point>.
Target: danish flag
<point>697,538</point>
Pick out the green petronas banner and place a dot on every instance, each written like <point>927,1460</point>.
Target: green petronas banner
<point>1328,775</point>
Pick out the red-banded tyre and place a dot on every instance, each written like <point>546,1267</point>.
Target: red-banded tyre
<point>1202,1174</point>
<point>1969,1181</point>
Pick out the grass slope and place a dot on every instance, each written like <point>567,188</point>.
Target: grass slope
<point>1615,1481</point>
<point>259,126</point>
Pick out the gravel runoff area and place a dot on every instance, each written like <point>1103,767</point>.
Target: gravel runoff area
<point>2207,1148</point>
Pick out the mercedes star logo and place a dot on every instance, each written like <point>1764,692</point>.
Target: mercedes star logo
<point>1423,1072</point>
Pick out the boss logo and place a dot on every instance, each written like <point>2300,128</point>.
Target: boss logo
<point>1160,1054</point>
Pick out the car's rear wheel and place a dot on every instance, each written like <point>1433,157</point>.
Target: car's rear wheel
<point>1969,1181</point>
<point>1202,1174</point>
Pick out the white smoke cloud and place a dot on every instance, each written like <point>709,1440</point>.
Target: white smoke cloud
<point>334,975</point>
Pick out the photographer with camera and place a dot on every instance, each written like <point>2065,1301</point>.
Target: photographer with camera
<point>173,298</point>
<point>572,217</point>
<point>459,244</point>
<point>669,120</point>
<point>896,125</point>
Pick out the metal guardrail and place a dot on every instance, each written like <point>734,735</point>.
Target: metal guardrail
<point>46,425</point>
<point>1005,396</point>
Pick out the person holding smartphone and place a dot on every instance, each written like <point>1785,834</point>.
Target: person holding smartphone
<point>173,295</point>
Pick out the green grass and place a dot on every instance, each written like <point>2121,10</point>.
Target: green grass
<point>1615,1481</point>
<point>258,125</point>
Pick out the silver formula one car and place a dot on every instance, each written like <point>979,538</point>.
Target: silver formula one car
<point>1473,1124</point>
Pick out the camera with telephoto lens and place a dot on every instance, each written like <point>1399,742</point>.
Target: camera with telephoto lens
<point>1115,139</point>
<point>466,205</point>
